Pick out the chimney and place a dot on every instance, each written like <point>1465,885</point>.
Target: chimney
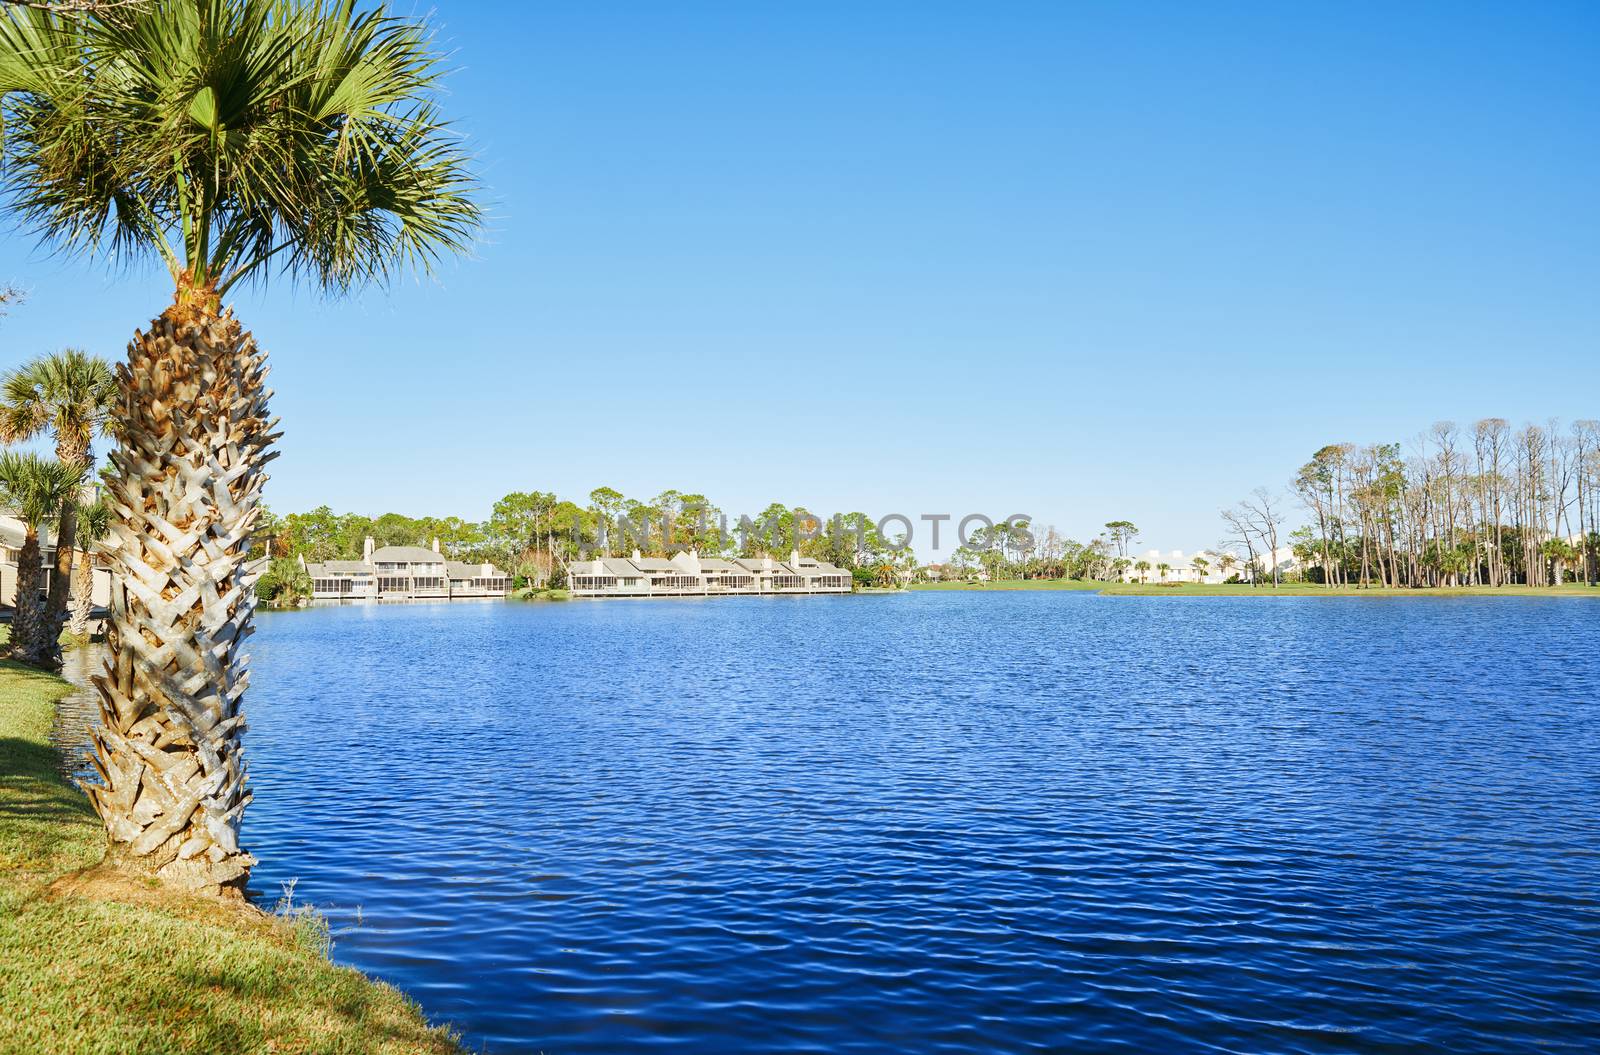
<point>367,549</point>
<point>436,543</point>
<point>636,555</point>
<point>794,558</point>
<point>301,557</point>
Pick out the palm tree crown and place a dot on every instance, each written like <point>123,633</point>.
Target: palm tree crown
<point>227,135</point>
<point>69,394</point>
<point>34,489</point>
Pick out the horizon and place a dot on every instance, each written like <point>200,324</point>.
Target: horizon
<point>956,261</point>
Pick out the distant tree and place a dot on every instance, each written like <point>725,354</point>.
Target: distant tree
<point>71,396</point>
<point>1143,568</point>
<point>94,525</point>
<point>36,489</point>
<point>1122,533</point>
<point>607,503</point>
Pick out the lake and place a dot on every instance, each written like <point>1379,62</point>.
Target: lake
<point>949,822</point>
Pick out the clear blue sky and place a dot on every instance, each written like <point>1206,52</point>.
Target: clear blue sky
<point>955,257</point>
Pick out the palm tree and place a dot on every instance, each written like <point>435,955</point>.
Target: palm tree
<point>94,525</point>
<point>1163,568</point>
<point>1225,561</point>
<point>36,489</point>
<point>71,396</point>
<point>1201,566</point>
<point>224,138</point>
<point>1143,568</point>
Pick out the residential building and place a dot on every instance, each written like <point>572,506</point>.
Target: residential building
<point>1181,567</point>
<point>12,535</point>
<point>688,574</point>
<point>403,573</point>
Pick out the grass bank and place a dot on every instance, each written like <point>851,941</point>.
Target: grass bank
<point>1245,590</point>
<point>94,964</point>
<point>1300,590</point>
<point>528,593</point>
<point>1011,584</point>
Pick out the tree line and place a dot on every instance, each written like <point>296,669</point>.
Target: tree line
<point>533,534</point>
<point>1488,504</point>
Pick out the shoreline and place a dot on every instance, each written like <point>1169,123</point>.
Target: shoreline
<point>1118,589</point>
<point>96,961</point>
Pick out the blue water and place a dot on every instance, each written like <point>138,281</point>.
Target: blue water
<point>949,822</point>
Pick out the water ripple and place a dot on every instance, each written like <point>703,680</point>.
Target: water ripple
<point>948,823</point>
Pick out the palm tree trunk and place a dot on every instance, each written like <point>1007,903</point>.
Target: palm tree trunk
<point>185,491</point>
<point>82,594</point>
<point>27,618</point>
<point>67,453</point>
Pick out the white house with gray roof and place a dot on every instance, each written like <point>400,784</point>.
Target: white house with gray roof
<point>403,573</point>
<point>687,574</point>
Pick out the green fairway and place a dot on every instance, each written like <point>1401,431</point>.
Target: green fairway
<point>1012,584</point>
<point>1265,590</point>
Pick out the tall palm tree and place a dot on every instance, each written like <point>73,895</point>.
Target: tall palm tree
<point>225,138</point>
<point>1201,566</point>
<point>36,489</point>
<point>70,395</point>
<point>94,526</point>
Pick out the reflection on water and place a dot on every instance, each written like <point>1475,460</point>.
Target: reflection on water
<point>79,711</point>
<point>1018,822</point>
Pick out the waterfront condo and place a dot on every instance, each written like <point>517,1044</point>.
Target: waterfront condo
<point>690,575</point>
<point>403,573</point>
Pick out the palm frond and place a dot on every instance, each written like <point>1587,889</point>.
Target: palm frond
<point>35,489</point>
<point>234,137</point>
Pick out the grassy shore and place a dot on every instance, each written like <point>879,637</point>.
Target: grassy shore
<point>528,593</point>
<point>1245,590</point>
<point>1012,584</point>
<point>98,965</point>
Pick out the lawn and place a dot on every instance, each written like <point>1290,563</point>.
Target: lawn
<point>97,965</point>
<point>1012,584</point>
<point>1245,590</point>
<point>1311,590</point>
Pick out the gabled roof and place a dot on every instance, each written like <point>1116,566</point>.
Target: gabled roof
<point>658,564</point>
<point>406,555</point>
<point>462,570</point>
<point>338,567</point>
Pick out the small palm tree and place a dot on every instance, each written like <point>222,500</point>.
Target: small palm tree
<point>1201,566</point>
<point>1143,568</point>
<point>1163,568</point>
<point>94,525</point>
<point>1226,561</point>
<point>226,139</point>
<point>36,489</point>
<point>70,395</point>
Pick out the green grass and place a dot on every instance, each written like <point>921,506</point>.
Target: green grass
<point>528,593</point>
<point>1011,584</point>
<point>99,965</point>
<point>1312,590</point>
<point>1244,590</point>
